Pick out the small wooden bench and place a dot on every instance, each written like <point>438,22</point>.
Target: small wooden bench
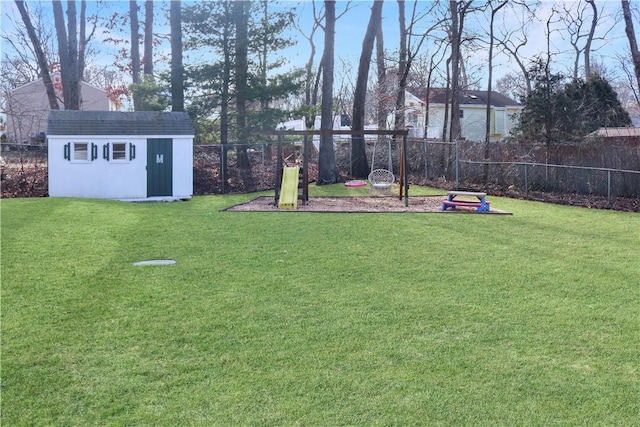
<point>481,204</point>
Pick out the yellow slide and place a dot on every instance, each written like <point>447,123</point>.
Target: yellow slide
<point>289,189</point>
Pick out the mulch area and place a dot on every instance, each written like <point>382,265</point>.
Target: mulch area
<point>417,204</point>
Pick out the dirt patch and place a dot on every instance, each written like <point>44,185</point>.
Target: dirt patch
<point>424,204</point>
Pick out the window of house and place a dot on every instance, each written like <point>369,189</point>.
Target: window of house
<point>462,114</point>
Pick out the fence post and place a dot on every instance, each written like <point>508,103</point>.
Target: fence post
<point>457,165</point>
<point>426,160</point>
<point>262,147</point>
<point>223,167</point>
<point>526,182</point>
<point>609,188</point>
<point>278,176</point>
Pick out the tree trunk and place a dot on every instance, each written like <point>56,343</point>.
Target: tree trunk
<point>177,69</point>
<point>359,164</point>
<point>72,95</point>
<point>63,52</point>
<point>631,35</point>
<point>135,53</point>
<point>42,60</point>
<point>148,38</point>
<point>68,51</point>
<point>327,168</point>
<point>224,99</point>
<point>82,41</point>
<point>241,18</point>
<point>455,130</point>
<point>382,77</point>
<point>487,136</point>
<point>587,46</point>
<point>402,66</point>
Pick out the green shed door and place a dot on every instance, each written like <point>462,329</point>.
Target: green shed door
<point>159,167</point>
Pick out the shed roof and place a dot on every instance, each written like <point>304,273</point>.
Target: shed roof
<point>73,122</point>
<point>621,132</point>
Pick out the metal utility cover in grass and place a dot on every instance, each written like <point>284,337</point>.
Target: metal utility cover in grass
<point>155,262</point>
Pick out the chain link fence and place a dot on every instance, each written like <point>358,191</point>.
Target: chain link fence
<point>565,173</point>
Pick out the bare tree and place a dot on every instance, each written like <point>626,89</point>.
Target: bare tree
<point>312,79</point>
<point>514,37</point>
<point>148,38</point>
<point>411,42</point>
<point>19,59</point>
<point>241,20</point>
<point>402,67</point>
<point>61,32</point>
<point>177,69</point>
<point>135,52</point>
<point>581,23</point>
<point>633,43</point>
<point>494,10</point>
<point>310,94</point>
<point>327,168</point>
<point>592,30</point>
<point>455,128</point>
<point>42,60</point>
<point>381,114</point>
<point>359,163</point>
<point>71,50</point>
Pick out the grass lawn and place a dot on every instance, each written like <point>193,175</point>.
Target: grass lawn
<point>318,319</point>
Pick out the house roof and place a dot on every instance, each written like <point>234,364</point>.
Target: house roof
<point>466,97</point>
<point>617,132</point>
<point>40,81</point>
<point>73,122</point>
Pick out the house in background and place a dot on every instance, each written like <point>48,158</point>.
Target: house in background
<point>28,107</point>
<point>473,104</point>
<point>144,155</point>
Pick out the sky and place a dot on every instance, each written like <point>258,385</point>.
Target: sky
<point>351,27</point>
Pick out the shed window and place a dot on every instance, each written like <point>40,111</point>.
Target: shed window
<point>119,151</point>
<point>80,151</point>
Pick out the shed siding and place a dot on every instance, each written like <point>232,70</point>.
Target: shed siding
<point>99,178</point>
<point>103,179</point>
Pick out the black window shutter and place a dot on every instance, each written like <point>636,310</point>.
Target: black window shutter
<point>105,152</point>
<point>67,151</point>
<point>132,151</point>
<point>94,151</point>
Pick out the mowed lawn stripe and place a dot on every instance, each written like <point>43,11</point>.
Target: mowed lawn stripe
<point>336,319</point>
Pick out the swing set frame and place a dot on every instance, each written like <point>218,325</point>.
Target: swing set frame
<point>308,137</point>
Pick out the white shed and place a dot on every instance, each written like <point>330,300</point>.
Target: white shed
<point>120,155</point>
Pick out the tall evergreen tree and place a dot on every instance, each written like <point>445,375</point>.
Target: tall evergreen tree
<point>593,104</point>
<point>555,112</point>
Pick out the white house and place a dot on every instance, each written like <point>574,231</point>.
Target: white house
<point>120,155</point>
<point>28,107</point>
<point>473,104</point>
